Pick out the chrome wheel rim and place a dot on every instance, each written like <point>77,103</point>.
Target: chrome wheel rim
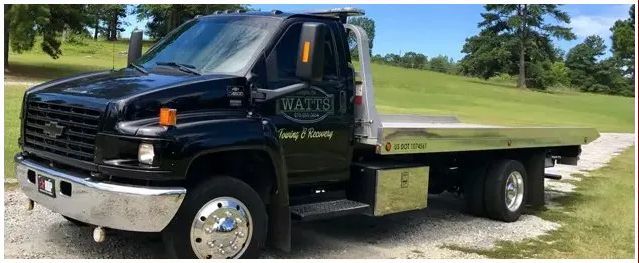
<point>221,229</point>
<point>514,191</point>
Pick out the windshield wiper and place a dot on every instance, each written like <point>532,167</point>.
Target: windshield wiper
<point>182,67</point>
<point>139,68</point>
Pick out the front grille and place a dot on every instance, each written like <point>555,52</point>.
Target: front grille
<point>75,134</point>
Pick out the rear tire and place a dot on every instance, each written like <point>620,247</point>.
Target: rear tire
<point>505,190</point>
<point>218,223</point>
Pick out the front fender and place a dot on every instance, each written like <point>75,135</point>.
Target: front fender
<point>202,137</point>
<point>248,133</point>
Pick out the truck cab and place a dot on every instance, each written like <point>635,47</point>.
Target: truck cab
<point>236,124</point>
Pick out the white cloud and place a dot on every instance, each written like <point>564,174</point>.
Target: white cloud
<point>584,26</point>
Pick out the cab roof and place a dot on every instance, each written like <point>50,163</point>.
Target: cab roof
<point>336,13</point>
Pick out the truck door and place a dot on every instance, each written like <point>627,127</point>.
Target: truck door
<point>313,125</point>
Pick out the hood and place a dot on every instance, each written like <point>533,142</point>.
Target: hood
<point>129,95</point>
<point>110,85</point>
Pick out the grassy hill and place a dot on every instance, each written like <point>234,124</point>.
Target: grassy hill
<point>401,90</point>
<point>76,58</point>
<point>398,90</point>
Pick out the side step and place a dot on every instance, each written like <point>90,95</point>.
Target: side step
<point>327,209</point>
<point>552,176</point>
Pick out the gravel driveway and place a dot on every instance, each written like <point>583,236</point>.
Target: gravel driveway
<point>419,234</point>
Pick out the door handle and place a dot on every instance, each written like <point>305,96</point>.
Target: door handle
<point>342,101</point>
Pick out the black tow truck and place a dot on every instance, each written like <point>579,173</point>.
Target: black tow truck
<point>236,124</point>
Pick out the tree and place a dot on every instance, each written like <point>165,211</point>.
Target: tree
<point>112,16</point>
<point>441,63</point>
<point>526,24</point>
<point>164,18</point>
<point>582,61</point>
<point>559,74</point>
<point>7,20</point>
<point>544,74</point>
<point>590,74</point>
<point>393,59</point>
<point>368,24</point>
<point>24,22</point>
<point>106,20</point>
<point>377,58</point>
<point>608,75</point>
<point>623,43</point>
<point>95,15</point>
<point>414,60</point>
<point>488,54</point>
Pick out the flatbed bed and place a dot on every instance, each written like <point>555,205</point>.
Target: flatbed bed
<point>411,134</point>
<point>408,134</point>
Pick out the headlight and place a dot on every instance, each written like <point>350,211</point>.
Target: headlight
<point>146,153</point>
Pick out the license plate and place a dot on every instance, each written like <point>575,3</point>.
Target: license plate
<point>46,185</point>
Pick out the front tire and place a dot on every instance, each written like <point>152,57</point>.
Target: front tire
<point>505,190</point>
<point>222,217</point>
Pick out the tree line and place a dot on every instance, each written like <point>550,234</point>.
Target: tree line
<point>411,59</point>
<point>24,23</point>
<point>414,60</point>
<point>515,40</point>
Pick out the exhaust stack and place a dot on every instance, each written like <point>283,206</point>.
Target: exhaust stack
<point>135,47</point>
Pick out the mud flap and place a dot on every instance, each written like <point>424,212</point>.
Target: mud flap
<point>279,232</point>
<point>535,179</point>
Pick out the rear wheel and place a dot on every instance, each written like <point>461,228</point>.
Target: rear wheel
<point>222,217</point>
<point>505,190</point>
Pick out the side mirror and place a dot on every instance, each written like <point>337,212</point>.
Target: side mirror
<point>310,60</point>
<point>135,47</point>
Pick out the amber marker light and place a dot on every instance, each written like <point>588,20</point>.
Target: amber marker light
<point>168,116</point>
<point>306,51</point>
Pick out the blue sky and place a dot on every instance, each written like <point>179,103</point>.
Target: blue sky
<point>442,29</point>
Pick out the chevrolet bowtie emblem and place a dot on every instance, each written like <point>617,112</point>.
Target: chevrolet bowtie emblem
<point>53,129</point>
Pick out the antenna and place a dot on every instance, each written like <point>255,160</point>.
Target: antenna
<point>113,51</point>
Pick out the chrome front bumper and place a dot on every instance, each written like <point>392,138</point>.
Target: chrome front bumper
<point>111,205</point>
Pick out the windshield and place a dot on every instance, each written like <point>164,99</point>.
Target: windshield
<point>224,45</point>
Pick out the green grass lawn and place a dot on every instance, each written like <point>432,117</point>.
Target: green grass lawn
<point>398,90</point>
<point>76,58</point>
<point>12,102</point>
<point>597,220</point>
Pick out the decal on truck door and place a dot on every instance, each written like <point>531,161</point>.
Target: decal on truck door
<point>306,106</point>
<point>305,133</point>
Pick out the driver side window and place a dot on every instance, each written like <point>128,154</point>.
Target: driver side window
<point>282,61</point>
